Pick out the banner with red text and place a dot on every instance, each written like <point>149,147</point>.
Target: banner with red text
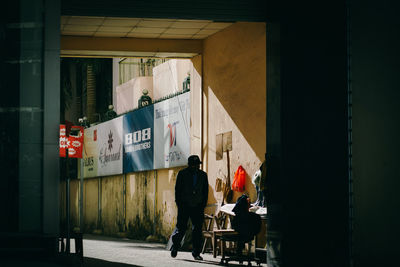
<point>63,141</point>
<point>75,142</point>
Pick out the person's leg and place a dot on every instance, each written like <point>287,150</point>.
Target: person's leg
<point>240,247</point>
<point>180,229</point>
<point>197,217</point>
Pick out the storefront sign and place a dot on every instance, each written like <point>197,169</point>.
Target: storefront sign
<point>172,132</point>
<point>75,142</point>
<point>152,137</point>
<point>63,141</point>
<point>109,142</point>
<point>138,139</point>
<point>91,152</point>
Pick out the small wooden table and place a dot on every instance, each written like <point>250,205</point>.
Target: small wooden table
<point>217,234</point>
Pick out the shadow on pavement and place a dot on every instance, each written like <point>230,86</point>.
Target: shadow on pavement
<point>202,262</point>
<point>146,247</point>
<point>92,262</point>
<point>217,263</point>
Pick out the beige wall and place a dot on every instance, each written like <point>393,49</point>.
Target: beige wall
<point>166,208</point>
<point>195,105</point>
<point>140,196</point>
<point>131,214</point>
<point>112,208</point>
<point>234,85</point>
<point>90,204</point>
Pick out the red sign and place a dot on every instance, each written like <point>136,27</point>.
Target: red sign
<point>75,142</point>
<point>63,141</point>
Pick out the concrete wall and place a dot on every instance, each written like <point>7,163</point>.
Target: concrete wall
<point>375,83</point>
<point>166,207</point>
<point>112,208</point>
<point>126,206</point>
<point>196,106</point>
<point>169,76</point>
<point>91,205</point>
<point>129,93</point>
<point>140,200</point>
<point>234,85</point>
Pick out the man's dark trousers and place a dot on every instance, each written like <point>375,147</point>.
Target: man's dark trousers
<point>196,215</point>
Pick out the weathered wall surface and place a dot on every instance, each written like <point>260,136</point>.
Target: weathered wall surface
<point>74,202</point>
<point>112,208</point>
<point>91,204</point>
<point>140,204</point>
<point>127,204</point>
<point>166,208</point>
<point>234,85</point>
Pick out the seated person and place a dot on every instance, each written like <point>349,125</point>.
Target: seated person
<point>246,223</point>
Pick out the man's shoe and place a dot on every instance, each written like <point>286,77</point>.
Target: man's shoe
<point>174,252</point>
<point>198,257</point>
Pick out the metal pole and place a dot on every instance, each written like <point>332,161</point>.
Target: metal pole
<point>81,198</point>
<point>68,206</point>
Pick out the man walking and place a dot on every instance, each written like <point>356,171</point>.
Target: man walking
<point>191,194</point>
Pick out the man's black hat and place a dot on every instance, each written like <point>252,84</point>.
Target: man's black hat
<point>194,160</point>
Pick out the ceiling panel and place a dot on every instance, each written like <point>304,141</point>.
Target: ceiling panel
<point>81,28</point>
<point>121,22</point>
<point>181,31</point>
<point>189,25</point>
<point>176,36</point>
<point>139,27</point>
<point>147,30</point>
<point>142,35</point>
<point>114,29</point>
<point>155,23</point>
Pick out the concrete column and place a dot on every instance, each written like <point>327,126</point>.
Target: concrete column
<point>51,117</point>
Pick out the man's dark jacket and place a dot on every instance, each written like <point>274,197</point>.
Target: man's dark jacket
<point>187,195</point>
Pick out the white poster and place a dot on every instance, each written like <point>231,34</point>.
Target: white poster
<point>90,152</point>
<point>109,143</point>
<point>172,132</point>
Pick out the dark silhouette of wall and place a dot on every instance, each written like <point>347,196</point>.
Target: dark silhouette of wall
<point>313,138</point>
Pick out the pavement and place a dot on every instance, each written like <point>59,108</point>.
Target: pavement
<point>122,252</point>
<point>100,251</point>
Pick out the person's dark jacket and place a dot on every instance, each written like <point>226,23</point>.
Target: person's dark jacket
<point>246,223</point>
<point>186,194</point>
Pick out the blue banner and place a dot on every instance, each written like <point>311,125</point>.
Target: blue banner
<point>139,140</point>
